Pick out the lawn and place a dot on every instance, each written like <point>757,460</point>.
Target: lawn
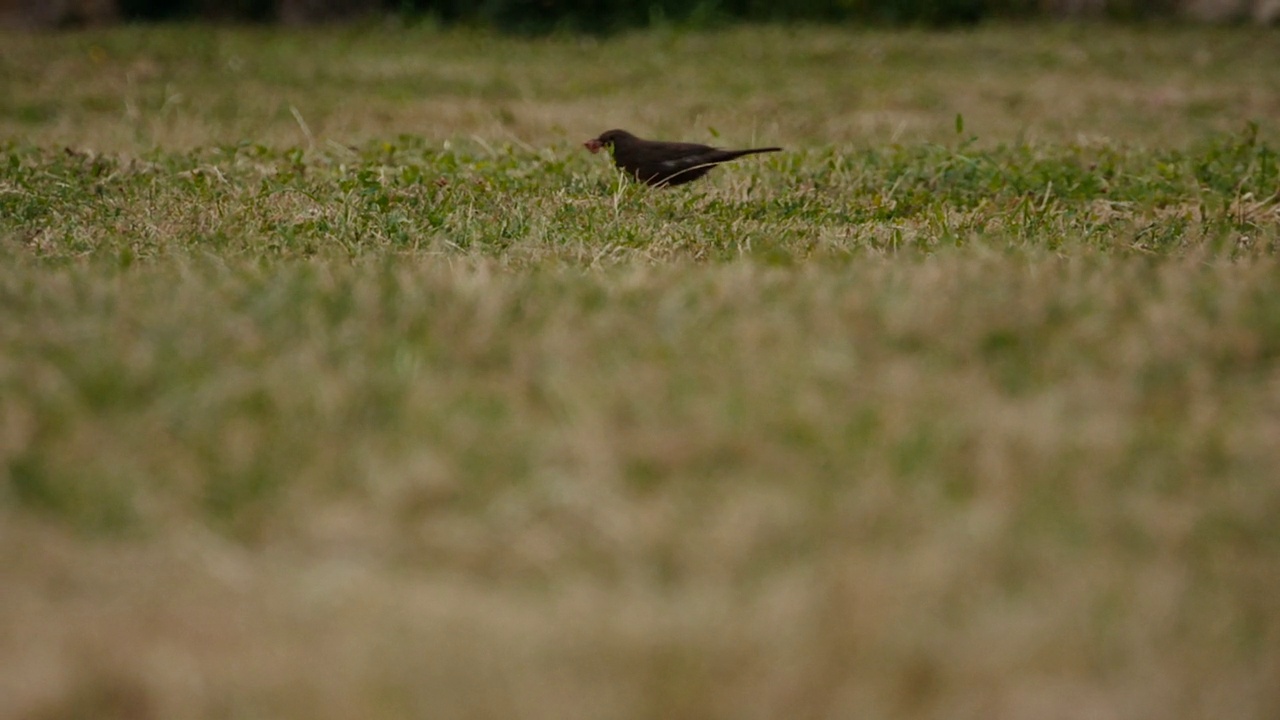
<point>337,380</point>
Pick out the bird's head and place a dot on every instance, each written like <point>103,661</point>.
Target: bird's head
<point>607,139</point>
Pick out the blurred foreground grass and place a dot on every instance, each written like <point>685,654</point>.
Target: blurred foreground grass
<point>389,420</point>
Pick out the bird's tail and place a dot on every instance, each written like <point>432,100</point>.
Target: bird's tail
<point>751,151</point>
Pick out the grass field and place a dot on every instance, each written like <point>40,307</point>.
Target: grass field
<point>337,380</point>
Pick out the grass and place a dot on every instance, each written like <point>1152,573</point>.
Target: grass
<point>337,380</point>
<point>131,90</point>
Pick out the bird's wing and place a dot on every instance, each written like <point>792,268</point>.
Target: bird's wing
<point>675,152</point>
<point>695,156</point>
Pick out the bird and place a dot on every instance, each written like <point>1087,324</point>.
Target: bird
<point>663,164</point>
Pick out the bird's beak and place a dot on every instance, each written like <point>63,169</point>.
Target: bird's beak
<point>593,145</point>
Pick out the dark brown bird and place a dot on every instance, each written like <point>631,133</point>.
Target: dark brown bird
<point>664,163</point>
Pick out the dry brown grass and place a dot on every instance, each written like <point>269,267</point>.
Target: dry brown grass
<point>802,87</point>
